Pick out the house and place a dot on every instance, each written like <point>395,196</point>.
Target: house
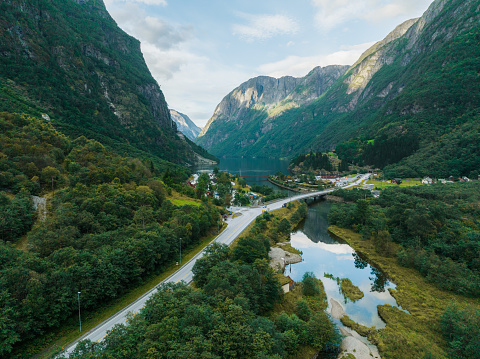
<point>286,282</point>
<point>465,179</point>
<point>427,180</point>
<point>396,180</point>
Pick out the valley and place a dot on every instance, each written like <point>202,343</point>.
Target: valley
<point>327,207</point>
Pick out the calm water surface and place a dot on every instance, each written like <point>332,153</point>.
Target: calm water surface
<point>258,168</point>
<point>324,254</point>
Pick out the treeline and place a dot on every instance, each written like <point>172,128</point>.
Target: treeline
<point>36,157</point>
<point>379,152</point>
<point>436,227</point>
<point>109,225</point>
<point>222,316</point>
<point>312,162</point>
<point>16,216</point>
<point>269,193</point>
<point>461,330</point>
<point>352,195</point>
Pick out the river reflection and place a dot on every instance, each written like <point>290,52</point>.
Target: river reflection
<point>324,254</point>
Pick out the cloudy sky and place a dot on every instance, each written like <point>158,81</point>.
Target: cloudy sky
<point>200,50</point>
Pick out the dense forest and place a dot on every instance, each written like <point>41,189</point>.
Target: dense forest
<point>109,224</point>
<point>229,313</point>
<point>313,162</point>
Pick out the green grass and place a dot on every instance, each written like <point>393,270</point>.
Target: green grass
<point>407,335</point>
<point>405,183</point>
<point>185,202</point>
<point>350,290</point>
<point>69,332</point>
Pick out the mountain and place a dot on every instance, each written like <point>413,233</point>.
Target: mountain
<point>409,104</point>
<point>185,125</point>
<point>68,61</point>
<point>256,106</point>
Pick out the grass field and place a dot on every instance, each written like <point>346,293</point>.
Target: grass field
<point>405,183</point>
<point>185,202</point>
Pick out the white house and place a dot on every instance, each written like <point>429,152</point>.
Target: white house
<point>427,180</point>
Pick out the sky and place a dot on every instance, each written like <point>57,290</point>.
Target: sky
<point>199,50</point>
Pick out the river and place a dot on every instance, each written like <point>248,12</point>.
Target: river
<point>323,254</point>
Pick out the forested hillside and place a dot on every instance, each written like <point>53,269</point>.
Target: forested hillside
<point>108,225</point>
<point>68,60</point>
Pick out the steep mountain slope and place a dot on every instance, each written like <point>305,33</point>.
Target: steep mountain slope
<point>69,60</point>
<point>255,106</point>
<point>414,95</point>
<point>185,125</point>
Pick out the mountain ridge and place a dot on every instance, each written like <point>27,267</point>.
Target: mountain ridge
<point>413,89</point>
<point>185,124</point>
<point>260,100</point>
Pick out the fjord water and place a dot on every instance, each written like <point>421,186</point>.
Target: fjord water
<point>258,168</point>
<point>324,254</point>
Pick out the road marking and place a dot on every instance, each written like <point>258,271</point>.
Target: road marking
<point>99,340</point>
<point>181,278</point>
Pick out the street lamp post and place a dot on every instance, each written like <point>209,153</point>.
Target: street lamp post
<point>79,317</point>
<point>180,251</point>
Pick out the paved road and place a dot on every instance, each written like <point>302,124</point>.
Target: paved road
<point>234,229</point>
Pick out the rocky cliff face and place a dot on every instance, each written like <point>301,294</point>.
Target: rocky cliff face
<point>69,59</point>
<point>257,102</point>
<point>185,124</point>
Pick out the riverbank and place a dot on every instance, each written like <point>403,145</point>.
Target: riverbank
<point>415,334</point>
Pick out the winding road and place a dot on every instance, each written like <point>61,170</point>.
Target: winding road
<point>235,227</point>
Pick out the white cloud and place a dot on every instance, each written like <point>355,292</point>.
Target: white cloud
<point>148,2</point>
<point>332,13</point>
<point>148,29</point>
<point>300,66</point>
<point>199,86</point>
<point>262,27</point>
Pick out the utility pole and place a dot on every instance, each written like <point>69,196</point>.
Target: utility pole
<point>79,317</point>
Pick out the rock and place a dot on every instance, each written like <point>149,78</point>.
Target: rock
<point>277,263</point>
<point>355,347</point>
<point>337,310</point>
<point>241,106</point>
<point>185,125</point>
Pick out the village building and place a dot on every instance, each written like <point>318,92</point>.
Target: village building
<point>427,180</point>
